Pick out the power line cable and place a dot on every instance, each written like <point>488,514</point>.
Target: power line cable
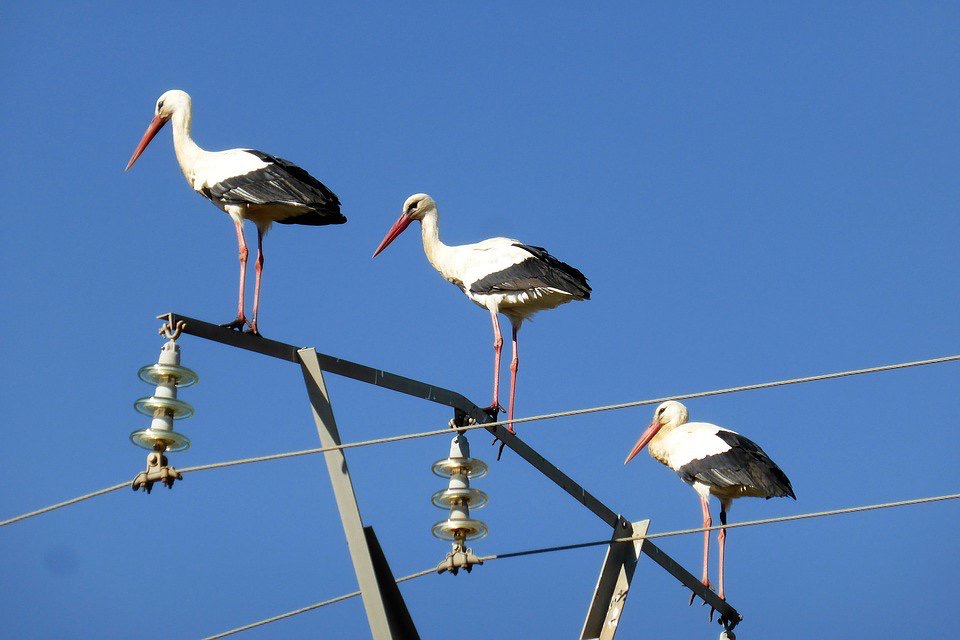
<point>66,503</point>
<point>311,607</point>
<point>608,541</point>
<point>732,525</point>
<point>546,416</point>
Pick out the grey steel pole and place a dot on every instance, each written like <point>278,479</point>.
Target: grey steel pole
<point>610,595</point>
<point>373,598</point>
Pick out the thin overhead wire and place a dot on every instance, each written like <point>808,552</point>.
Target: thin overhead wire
<point>732,525</point>
<point>807,516</point>
<point>66,503</point>
<point>546,416</point>
<point>311,607</point>
<point>607,541</point>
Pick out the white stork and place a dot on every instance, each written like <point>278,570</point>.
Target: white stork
<point>246,184</point>
<point>499,274</point>
<point>712,460</point>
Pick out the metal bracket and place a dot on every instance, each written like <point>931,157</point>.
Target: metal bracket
<point>459,558</point>
<point>613,585</point>
<point>170,328</point>
<point>461,419</point>
<point>157,471</point>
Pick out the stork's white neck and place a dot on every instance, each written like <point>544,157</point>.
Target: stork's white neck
<point>186,149</point>
<point>438,253</point>
<point>656,446</point>
<point>430,231</point>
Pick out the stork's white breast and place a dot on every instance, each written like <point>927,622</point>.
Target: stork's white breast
<point>216,166</point>
<point>688,442</point>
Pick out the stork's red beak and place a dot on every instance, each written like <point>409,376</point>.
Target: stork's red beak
<point>155,125</point>
<point>402,223</point>
<point>644,439</point>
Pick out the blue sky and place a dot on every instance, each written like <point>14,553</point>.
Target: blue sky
<point>756,192</point>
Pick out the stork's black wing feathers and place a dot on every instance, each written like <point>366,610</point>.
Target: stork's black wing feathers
<point>540,270</point>
<point>281,182</point>
<point>745,463</point>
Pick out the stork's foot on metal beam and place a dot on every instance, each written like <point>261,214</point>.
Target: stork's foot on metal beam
<point>493,411</point>
<point>693,594</point>
<point>502,445</point>
<point>237,324</point>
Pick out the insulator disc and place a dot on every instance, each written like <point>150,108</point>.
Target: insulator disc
<point>470,467</point>
<point>158,373</point>
<point>148,407</point>
<point>150,438</point>
<point>474,498</point>
<point>451,529</point>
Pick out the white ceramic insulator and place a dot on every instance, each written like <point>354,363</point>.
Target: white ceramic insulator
<point>460,447</point>
<point>162,422</point>
<point>459,481</point>
<point>459,512</point>
<point>170,355</point>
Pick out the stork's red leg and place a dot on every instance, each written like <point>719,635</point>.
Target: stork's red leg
<point>241,319</point>
<point>721,542</point>
<point>514,366</point>
<point>497,346</point>
<point>256,287</point>
<point>707,522</point>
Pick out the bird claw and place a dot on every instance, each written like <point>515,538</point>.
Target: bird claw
<point>237,324</point>
<point>502,445</point>
<point>693,594</point>
<point>493,411</point>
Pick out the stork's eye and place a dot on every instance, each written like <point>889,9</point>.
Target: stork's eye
<point>160,105</point>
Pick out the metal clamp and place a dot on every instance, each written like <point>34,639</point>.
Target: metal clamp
<point>458,558</point>
<point>461,419</point>
<point>728,626</point>
<point>157,471</point>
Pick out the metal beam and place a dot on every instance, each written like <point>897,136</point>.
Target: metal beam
<point>433,393</point>
<point>610,595</point>
<point>407,386</point>
<point>398,616</point>
<point>330,364</point>
<point>693,583</point>
<point>373,597</point>
<point>562,480</point>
